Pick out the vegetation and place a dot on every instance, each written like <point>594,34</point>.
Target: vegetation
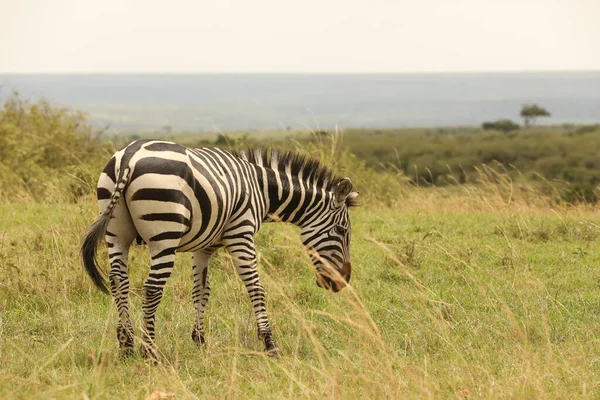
<point>487,289</point>
<point>529,112</point>
<point>44,148</point>
<point>502,125</point>
<point>551,159</point>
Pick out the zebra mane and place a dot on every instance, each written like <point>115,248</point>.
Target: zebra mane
<point>312,169</point>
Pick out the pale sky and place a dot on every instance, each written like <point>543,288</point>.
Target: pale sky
<point>195,36</point>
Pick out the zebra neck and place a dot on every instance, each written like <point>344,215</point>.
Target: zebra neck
<point>290,199</point>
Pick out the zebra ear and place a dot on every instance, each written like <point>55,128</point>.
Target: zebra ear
<point>342,190</point>
<point>351,200</point>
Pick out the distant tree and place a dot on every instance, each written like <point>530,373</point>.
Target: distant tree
<point>529,112</point>
<point>502,125</point>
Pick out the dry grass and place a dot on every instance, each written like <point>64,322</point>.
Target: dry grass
<point>482,292</point>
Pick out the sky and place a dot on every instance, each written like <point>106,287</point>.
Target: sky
<point>303,36</point>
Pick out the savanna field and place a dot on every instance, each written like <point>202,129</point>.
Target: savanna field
<point>476,284</point>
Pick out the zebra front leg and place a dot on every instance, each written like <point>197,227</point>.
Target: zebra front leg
<point>160,270</point>
<point>119,287</point>
<point>243,254</point>
<point>200,293</point>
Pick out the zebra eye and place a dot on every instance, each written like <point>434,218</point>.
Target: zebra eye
<point>340,230</point>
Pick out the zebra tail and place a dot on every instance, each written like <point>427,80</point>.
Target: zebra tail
<point>96,233</point>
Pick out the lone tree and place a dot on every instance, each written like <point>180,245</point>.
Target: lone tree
<point>529,112</point>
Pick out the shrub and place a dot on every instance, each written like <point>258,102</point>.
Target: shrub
<point>580,194</point>
<point>39,142</point>
<point>502,125</point>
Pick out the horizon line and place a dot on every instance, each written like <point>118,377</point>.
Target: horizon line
<point>533,71</point>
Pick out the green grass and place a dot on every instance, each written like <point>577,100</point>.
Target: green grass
<point>451,297</point>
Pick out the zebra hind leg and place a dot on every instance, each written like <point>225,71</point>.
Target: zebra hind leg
<point>120,234</point>
<point>200,293</point>
<point>160,270</point>
<point>119,286</point>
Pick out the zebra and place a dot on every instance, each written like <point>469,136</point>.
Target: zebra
<point>180,199</point>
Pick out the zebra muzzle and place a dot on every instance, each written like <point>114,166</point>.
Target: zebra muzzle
<point>334,280</point>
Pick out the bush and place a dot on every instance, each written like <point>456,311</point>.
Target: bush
<point>39,143</point>
<point>502,125</point>
<point>580,194</point>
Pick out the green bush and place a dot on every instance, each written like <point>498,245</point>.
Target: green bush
<point>580,194</point>
<point>502,125</point>
<point>40,143</point>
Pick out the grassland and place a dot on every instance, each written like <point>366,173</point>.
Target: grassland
<point>453,295</point>
<point>487,289</point>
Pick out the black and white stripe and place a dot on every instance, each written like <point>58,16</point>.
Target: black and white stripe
<point>198,200</point>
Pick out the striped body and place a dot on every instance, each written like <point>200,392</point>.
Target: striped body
<point>197,200</point>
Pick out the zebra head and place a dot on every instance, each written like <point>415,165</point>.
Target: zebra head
<point>327,237</point>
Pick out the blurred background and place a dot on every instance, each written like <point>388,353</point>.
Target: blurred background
<point>432,89</point>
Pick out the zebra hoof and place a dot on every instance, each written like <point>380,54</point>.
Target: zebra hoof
<point>274,353</point>
<point>271,347</point>
<point>126,352</point>
<point>198,337</point>
<point>149,353</point>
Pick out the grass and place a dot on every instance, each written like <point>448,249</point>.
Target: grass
<point>484,289</point>
<point>454,295</point>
